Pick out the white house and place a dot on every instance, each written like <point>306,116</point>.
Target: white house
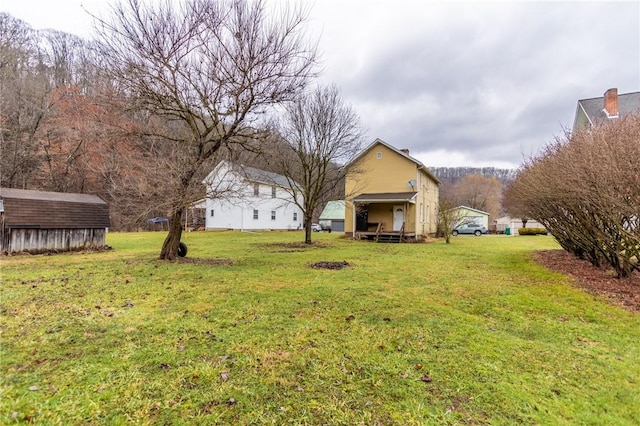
<point>245,198</point>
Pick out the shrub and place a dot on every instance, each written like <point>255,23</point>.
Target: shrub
<point>585,189</point>
<point>532,231</point>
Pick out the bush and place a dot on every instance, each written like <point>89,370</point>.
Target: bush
<point>532,231</point>
<point>585,190</point>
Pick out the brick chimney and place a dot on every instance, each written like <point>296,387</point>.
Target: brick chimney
<point>405,151</point>
<point>611,102</point>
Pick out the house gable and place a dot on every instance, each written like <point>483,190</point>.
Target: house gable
<point>382,181</point>
<point>468,214</point>
<point>382,168</point>
<point>594,110</point>
<point>242,197</point>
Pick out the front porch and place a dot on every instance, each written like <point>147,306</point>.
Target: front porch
<point>388,217</point>
<point>385,236</point>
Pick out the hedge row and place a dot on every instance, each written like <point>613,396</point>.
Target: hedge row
<point>532,231</point>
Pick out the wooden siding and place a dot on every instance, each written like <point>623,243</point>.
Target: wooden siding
<point>381,169</point>
<point>48,240</point>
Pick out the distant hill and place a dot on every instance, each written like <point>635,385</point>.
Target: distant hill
<point>452,174</point>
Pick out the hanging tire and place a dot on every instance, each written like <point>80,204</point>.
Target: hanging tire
<point>182,249</point>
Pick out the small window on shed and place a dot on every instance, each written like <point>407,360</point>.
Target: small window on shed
<point>273,192</point>
<point>295,216</point>
<point>256,189</point>
<point>379,155</point>
<point>212,214</point>
<point>255,215</point>
<point>273,215</point>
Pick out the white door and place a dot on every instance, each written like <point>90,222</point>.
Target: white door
<point>398,217</point>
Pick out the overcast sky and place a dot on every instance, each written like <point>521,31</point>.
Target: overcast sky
<point>457,83</point>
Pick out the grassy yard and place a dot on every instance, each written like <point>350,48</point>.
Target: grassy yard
<point>245,332</point>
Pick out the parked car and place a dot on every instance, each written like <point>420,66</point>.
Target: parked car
<point>470,228</point>
<point>317,228</point>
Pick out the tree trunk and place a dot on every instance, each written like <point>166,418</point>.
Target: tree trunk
<point>307,229</point>
<point>171,243</point>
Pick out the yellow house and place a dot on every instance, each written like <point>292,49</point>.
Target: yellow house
<point>390,195</point>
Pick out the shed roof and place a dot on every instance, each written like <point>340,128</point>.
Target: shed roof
<point>333,210</point>
<point>53,210</point>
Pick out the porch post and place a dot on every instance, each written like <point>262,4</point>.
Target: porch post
<point>353,223</point>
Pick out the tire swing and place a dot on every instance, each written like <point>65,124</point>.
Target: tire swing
<point>182,249</point>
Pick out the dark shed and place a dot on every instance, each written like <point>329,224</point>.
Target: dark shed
<point>38,221</point>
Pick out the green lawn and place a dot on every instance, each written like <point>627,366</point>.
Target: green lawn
<point>245,332</point>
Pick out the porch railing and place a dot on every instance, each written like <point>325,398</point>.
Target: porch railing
<point>378,230</point>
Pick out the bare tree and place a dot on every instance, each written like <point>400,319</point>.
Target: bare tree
<point>24,102</point>
<point>448,217</point>
<point>322,134</point>
<point>478,192</point>
<point>513,205</point>
<point>211,67</point>
<point>585,189</point>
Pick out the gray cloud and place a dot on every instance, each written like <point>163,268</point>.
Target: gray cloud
<point>493,81</point>
<point>482,82</point>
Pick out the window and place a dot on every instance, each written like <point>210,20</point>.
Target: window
<point>379,155</point>
<point>273,215</point>
<point>255,215</point>
<point>256,189</point>
<point>273,192</point>
<point>295,216</point>
<point>212,213</point>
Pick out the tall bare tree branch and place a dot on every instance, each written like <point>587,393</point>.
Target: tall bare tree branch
<point>212,67</point>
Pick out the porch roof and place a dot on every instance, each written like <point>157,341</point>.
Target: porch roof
<point>386,197</point>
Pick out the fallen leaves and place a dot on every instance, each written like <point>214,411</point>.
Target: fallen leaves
<point>623,292</point>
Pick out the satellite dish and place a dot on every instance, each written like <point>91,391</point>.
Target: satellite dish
<point>411,183</point>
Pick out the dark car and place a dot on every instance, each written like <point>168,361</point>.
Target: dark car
<point>470,228</point>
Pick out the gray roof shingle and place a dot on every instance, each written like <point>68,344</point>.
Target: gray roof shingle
<point>262,176</point>
<point>628,103</point>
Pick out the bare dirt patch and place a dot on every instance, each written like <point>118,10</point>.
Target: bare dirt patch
<point>292,247</point>
<point>206,262</point>
<point>598,281</point>
<point>330,265</point>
